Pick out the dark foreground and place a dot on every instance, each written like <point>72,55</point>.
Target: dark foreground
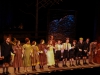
<point>86,71</point>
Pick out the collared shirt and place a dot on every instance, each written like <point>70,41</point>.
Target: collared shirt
<point>58,46</point>
<point>67,46</point>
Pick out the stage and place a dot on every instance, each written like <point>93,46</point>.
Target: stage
<point>84,69</point>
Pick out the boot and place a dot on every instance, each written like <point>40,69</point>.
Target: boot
<point>33,68</point>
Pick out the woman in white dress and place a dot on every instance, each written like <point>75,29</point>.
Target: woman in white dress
<point>50,54</point>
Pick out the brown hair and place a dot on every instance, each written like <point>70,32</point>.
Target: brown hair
<point>41,40</point>
<point>75,41</point>
<point>33,42</point>
<point>27,40</point>
<point>17,41</point>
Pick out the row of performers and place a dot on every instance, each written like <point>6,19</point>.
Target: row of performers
<point>45,54</point>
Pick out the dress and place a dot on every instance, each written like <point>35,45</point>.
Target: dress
<point>26,56</point>
<point>35,57</point>
<point>42,56</point>
<point>18,56</point>
<point>50,56</point>
<point>96,57</point>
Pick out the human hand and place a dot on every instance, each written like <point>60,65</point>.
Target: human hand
<point>80,50</point>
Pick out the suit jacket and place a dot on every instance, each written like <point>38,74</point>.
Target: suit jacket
<point>6,49</point>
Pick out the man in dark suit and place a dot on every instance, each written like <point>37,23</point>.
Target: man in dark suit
<point>6,49</point>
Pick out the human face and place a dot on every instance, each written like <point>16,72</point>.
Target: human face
<point>59,41</point>
<point>67,41</point>
<point>74,42</point>
<point>51,37</point>
<point>28,42</point>
<point>81,41</point>
<point>35,43</point>
<point>95,42</point>
<point>8,40</point>
<point>43,42</point>
<point>18,43</point>
<point>87,40</point>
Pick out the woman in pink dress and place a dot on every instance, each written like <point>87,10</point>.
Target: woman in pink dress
<point>18,50</point>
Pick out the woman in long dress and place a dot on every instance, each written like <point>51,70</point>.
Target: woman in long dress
<point>18,51</point>
<point>35,55</point>
<point>50,54</point>
<point>42,54</point>
<point>27,54</point>
<point>96,58</point>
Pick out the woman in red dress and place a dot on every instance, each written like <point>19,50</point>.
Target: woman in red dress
<point>97,54</point>
<point>18,50</point>
<point>42,54</point>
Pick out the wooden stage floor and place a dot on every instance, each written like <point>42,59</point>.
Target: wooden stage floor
<point>50,70</point>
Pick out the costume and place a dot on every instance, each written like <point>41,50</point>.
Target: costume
<point>27,55</point>
<point>6,49</point>
<point>50,56</point>
<point>42,55</point>
<point>18,56</point>
<point>35,56</point>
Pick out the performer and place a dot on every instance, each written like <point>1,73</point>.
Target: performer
<point>67,48</point>
<point>86,50</point>
<point>42,53</point>
<point>50,54</point>
<point>58,48</point>
<point>35,55</point>
<point>92,51</point>
<point>72,52</point>
<point>51,38</point>
<point>27,54</point>
<point>96,58</point>
<point>18,51</point>
<point>79,52</point>
<point>6,49</point>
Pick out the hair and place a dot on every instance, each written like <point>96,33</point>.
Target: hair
<point>49,42</point>
<point>67,38</point>
<point>33,42</point>
<point>17,41</point>
<point>95,41</point>
<point>27,40</point>
<point>80,38</point>
<point>5,37</point>
<point>41,40</point>
<point>75,41</point>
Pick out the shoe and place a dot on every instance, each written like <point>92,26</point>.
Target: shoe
<point>65,66</point>
<point>79,64</point>
<point>91,63</point>
<point>34,70</point>
<point>70,65</point>
<point>7,73</point>
<point>15,72</point>
<point>3,73</point>
<point>48,66</point>
<point>86,63</point>
<point>73,65</point>
<point>57,66</point>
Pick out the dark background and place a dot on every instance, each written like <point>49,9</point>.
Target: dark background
<point>14,13</point>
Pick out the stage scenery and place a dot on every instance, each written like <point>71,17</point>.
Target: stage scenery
<point>46,37</point>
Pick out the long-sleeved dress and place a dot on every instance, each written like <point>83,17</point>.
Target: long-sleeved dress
<point>18,50</point>
<point>50,56</point>
<point>35,55</point>
<point>27,55</point>
<point>42,55</point>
